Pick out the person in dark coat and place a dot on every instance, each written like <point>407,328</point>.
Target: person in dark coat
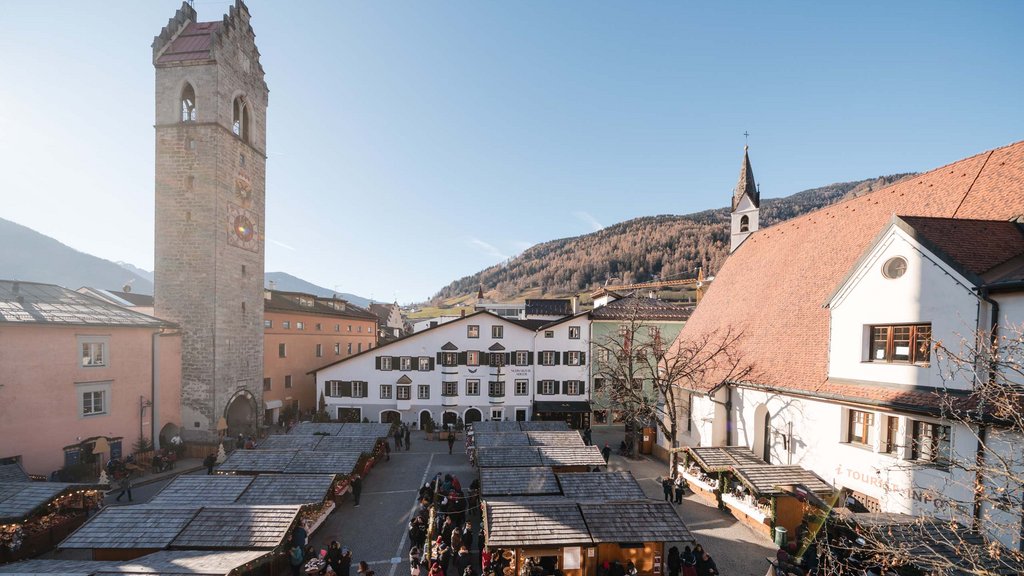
<point>357,489</point>
<point>606,452</point>
<point>407,438</point>
<point>706,565</point>
<point>673,562</point>
<point>398,438</point>
<point>689,562</point>
<point>666,487</point>
<point>387,450</point>
<point>467,536</point>
<point>210,461</point>
<point>451,441</point>
<point>463,560</point>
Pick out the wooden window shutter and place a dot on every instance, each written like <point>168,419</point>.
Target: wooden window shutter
<point>540,386</point>
<point>529,358</point>
<point>346,389</point>
<point>377,362</point>
<point>565,387</point>
<point>508,358</point>
<point>583,358</point>
<point>438,358</point>
<point>558,358</point>
<point>462,358</point>
<point>485,359</point>
<point>432,361</point>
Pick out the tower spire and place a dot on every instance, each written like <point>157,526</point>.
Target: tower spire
<point>746,203</point>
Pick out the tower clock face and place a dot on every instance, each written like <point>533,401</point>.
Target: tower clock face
<point>243,228</point>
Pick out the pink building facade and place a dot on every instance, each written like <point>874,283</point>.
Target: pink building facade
<point>75,368</point>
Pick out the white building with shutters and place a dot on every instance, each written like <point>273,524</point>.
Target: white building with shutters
<point>479,367</point>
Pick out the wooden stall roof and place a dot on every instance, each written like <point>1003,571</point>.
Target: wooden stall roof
<point>190,491</point>
<point>290,462</point>
<point>767,479</point>
<point>508,457</point>
<point>601,486</point>
<point>544,523</point>
<point>364,444</point>
<point>290,442</point>
<point>19,499</point>
<point>371,429</point>
<point>935,545</point>
<point>13,473</point>
<point>287,489</point>
<point>257,461</point>
<point>238,527</point>
<point>51,566</point>
<point>143,526</point>
<point>308,428</point>
<point>571,456</point>
<point>518,481</point>
<point>723,458</point>
<point>544,426</point>
<point>323,463</point>
<point>497,426</point>
<point>636,521</point>
<point>555,438</point>
<point>206,562</point>
<point>490,439</point>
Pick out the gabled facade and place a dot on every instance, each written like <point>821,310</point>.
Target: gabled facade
<point>562,371</point>
<point>478,367</point>
<point>840,311</point>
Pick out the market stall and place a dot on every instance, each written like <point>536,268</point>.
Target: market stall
<point>600,486</point>
<point>292,462</point>
<point>759,496</point>
<point>572,458</point>
<point>555,438</point>
<point>634,531</point>
<point>496,426</point>
<point>543,426</point>
<point>35,516</point>
<point>508,457</point>
<point>529,481</point>
<point>128,532</point>
<point>177,562</point>
<point>704,468</point>
<point>551,533</point>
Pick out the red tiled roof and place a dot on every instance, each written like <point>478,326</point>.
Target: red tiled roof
<point>977,245</point>
<point>773,286</point>
<point>193,43</point>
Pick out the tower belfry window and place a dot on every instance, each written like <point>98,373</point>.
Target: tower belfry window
<point>188,104</point>
<point>744,223</point>
<point>240,119</point>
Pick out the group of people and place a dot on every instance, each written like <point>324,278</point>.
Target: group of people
<point>690,562</point>
<point>674,488</point>
<point>402,436</point>
<point>452,548</point>
<point>335,560</point>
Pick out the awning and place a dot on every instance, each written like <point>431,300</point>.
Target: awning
<point>564,406</point>
<point>271,404</point>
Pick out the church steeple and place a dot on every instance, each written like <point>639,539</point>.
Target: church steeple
<point>746,204</point>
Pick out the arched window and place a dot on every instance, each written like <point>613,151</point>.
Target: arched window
<point>744,223</point>
<point>188,104</point>
<point>240,119</point>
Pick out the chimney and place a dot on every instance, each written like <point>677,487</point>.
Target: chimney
<point>462,313</point>
<point>273,285</point>
<point>575,304</point>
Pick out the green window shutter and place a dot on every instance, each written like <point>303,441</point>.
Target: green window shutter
<point>346,389</point>
<point>558,358</point>
<point>377,362</point>
<point>438,358</point>
<point>462,358</point>
<point>529,358</point>
<point>583,358</point>
<point>565,387</point>
<point>432,364</point>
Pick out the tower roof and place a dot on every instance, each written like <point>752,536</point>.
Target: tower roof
<point>746,186</point>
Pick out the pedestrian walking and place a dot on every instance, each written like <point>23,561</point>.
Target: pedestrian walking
<point>295,558</point>
<point>680,488</point>
<point>407,438</point>
<point>587,438</point>
<point>666,487</point>
<point>606,452</point>
<point>398,437</point>
<point>210,461</point>
<point>126,486</point>
<point>451,441</point>
<point>357,489</point>
<point>387,451</point>
<point>467,536</point>
<point>415,556</point>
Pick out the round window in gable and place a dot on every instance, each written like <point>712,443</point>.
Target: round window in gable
<point>894,267</point>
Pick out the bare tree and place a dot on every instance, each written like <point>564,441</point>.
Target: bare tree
<point>983,499</point>
<point>649,379</point>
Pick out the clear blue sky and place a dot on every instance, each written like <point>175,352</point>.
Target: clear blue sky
<point>411,143</point>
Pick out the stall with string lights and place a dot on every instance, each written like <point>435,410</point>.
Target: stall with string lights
<point>35,516</point>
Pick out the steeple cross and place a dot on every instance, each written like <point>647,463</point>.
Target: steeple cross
<point>746,135</point>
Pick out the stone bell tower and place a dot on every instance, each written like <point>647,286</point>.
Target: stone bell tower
<point>211,102</point>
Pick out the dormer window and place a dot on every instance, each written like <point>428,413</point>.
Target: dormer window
<point>188,104</point>
<point>240,119</point>
<point>904,344</point>
<point>744,223</point>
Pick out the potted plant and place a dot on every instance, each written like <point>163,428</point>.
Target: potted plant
<point>428,428</point>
